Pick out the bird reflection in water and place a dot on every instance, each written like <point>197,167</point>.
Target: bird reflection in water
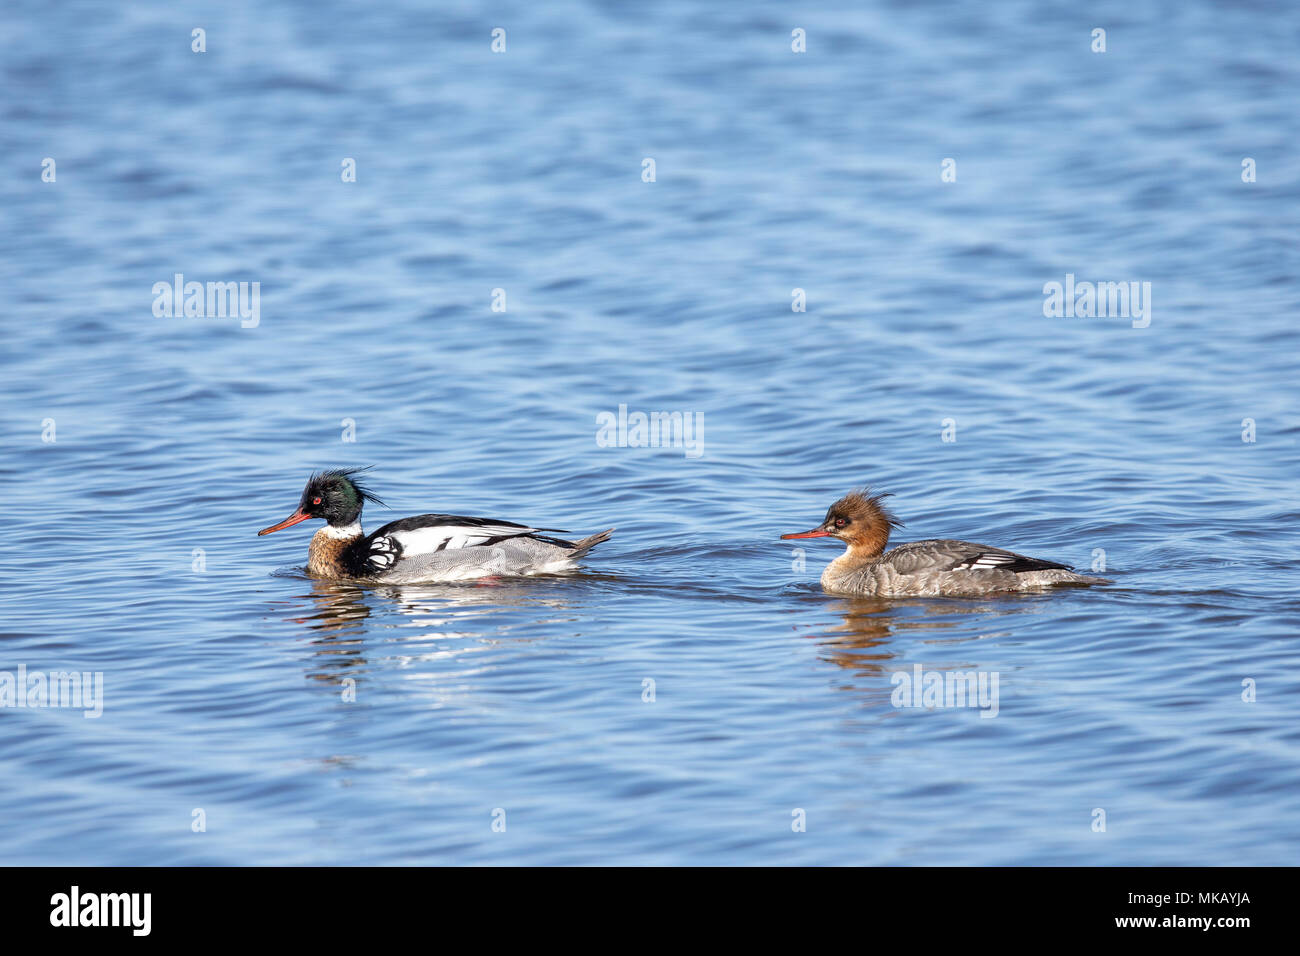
<point>339,616</point>
<point>447,620</point>
<point>878,637</point>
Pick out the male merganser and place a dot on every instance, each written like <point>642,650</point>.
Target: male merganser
<point>422,549</point>
<point>922,568</point>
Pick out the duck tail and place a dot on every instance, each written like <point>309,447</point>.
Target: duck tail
<point>579,548</point>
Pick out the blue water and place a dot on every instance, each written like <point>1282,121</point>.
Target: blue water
<point>130,549</point>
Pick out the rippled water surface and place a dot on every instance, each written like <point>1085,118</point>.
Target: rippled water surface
<point>130,545</point>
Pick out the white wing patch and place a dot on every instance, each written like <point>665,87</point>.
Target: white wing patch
<point>446,538</point>
<point>988,560</point>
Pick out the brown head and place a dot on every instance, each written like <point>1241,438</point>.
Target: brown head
<point>858,519</point>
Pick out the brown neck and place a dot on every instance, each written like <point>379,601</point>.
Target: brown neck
<point>869,543</point>
<point>326,549</point>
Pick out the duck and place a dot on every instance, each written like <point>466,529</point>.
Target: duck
<point>422,549</point>
<point>932,568</point>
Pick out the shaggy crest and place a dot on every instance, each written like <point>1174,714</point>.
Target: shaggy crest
<point>353,477</point>
<point>861,505</point>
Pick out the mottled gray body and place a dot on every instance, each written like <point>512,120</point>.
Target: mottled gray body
<point>942,567</point>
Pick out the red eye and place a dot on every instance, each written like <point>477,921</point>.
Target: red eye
<point>840,522</point>
<point>315,501</point>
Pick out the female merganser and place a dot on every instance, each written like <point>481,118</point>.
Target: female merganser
<point>422,549</point>
<point>922,568</point>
